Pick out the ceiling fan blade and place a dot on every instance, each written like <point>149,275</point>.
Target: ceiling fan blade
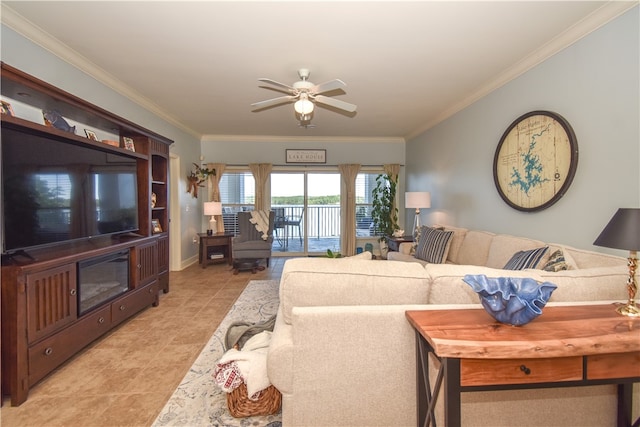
<point>328,86</point>
<point>321,99</point>
<point>278,84</point>
<point>272,102</point>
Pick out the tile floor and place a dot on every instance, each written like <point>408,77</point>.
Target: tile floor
<point>126,377</point>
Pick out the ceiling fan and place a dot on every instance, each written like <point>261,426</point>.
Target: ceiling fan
<point>305,94</point>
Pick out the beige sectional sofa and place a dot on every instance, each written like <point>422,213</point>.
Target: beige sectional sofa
<point>343,353</point>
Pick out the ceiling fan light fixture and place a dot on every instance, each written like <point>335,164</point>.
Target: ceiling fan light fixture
<point>303,106</point>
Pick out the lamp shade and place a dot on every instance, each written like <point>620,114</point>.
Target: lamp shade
<point>622,231</point>
<point>417,199</point>
<point>212,208</point>
<point>303,105</point>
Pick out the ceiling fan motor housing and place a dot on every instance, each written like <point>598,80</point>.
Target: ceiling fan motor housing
<point>304,73</point>
<point>303,85</point>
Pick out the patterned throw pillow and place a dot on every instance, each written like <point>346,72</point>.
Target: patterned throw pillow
<point>433,245</point>
<point>416,239</point>
<point>525,259</point>
<point>557,262</point>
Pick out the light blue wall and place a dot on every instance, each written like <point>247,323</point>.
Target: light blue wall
<point>243,152</point>
<point>23,54</point>
<point>594,84</point>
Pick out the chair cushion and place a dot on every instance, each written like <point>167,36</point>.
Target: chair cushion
<point>433,245</point>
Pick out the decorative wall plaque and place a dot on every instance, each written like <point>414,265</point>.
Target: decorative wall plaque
<point>535,161</point>
<point>306,156</point>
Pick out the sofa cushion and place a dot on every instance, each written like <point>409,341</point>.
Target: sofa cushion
<point>475,248</point>
<point>556,262</point>
<point>581,258</point>
<point>447,286</point>
<point>589,284</point>
<point>433,245</point>
<point>525,259</point>
<point>503,246</point>
<point>456,241</point>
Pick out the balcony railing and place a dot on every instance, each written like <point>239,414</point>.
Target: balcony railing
<point>322,221</point>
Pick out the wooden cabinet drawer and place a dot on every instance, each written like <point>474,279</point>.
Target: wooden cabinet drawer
<point>51,352</point>
<point>133,302</point>
<point>604,366</point>
<point>477,372</point>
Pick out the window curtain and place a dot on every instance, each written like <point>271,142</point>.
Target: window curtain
<point>261,173</point>
<point>393,170</point>
<point>348,172</point>
<point>214,190</point>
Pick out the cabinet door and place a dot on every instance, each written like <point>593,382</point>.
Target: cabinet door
<point>163,262</point>
<point>145,263</point>
<point>51,300</point>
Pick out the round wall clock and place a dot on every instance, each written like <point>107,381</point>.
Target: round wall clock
<point>535,161</point>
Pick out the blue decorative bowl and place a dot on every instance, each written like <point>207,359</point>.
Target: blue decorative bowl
<point>512,300</point>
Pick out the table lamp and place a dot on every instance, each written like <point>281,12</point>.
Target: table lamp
<point>416,200</point>
<point>213,209</point>
<point>623,232</point>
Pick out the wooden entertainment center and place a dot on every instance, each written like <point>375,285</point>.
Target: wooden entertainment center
<point>43,324</point>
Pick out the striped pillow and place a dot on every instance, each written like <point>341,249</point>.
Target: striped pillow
<point>525,259</point>
<point>433,245</point>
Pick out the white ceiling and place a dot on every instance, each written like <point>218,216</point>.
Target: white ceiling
<point>407,65</point>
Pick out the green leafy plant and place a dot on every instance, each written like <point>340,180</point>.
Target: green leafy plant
<point>331,254</point>
<point>384,214</point>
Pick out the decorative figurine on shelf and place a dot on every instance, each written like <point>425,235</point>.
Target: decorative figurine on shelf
<point>54,119</point>
<point>196,179</point>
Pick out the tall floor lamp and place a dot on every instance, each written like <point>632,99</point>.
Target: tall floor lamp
<point>213,209</point>
<point>623,232</point>
<point>416,200</point>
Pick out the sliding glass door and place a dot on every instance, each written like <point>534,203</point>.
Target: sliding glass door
<point>307,206</point>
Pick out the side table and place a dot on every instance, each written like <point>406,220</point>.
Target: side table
<point>220,242</point>
<point>566,346</point>
<point>394,242</point>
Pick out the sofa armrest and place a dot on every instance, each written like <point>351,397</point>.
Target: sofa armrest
<point>280,356</point>
<point>405,248</point>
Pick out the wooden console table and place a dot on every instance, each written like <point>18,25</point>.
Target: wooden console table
<point>564,347</point>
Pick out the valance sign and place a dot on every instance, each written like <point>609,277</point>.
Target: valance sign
<point>306,156</point>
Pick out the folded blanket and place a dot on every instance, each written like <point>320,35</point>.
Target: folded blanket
<point>248,365</point>
<point>261,220</point>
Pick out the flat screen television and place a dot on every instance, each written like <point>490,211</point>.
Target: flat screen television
<point>55,191</point>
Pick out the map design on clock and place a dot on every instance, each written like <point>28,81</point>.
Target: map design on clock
<point>535,161</point>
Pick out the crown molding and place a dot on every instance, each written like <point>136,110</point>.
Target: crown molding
<point>317,139</point>
<point>16,22</point>
<point>571,35</point>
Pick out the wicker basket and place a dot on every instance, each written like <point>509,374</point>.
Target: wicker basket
<point>240,406</point>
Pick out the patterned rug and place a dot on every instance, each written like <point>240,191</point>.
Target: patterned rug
<point>198,401</point>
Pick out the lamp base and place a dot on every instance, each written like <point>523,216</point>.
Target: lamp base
<point>629,310</point>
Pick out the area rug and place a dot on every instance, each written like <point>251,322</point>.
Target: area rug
<point>198,401</point>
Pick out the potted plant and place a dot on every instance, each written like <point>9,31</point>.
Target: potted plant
<point>384,213</point>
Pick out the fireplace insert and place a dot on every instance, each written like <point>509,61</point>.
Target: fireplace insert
<point>101,279</point>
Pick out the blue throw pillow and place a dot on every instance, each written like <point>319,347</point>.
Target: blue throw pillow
<point>525,259</point>
<point>433,245</point>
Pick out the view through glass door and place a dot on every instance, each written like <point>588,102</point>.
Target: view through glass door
<point>307,207</point>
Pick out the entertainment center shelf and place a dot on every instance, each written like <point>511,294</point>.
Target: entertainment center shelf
<point>60,295</point>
